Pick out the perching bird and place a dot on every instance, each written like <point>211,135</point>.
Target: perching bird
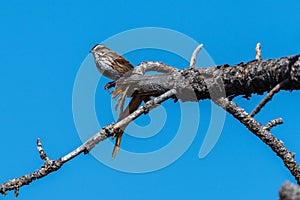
<point>110,64</point>
<point>113,66</point>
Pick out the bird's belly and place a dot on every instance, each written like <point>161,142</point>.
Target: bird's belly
<point>108,72</point>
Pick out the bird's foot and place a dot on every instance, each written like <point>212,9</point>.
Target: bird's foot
<point>109,85</point>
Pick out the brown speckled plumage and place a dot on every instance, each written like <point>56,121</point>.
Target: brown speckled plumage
<point>110,63</point>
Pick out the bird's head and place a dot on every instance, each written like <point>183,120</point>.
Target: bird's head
<point>99,48</point>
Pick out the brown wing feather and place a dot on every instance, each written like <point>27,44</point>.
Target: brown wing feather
<point>126,66</point>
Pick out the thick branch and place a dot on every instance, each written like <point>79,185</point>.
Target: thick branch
<point>254,77</point>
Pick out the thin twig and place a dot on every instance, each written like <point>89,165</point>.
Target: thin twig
<point>268,98</point>
<point>272,123</point>
<point>194,55</point>
<point>43,154</point>
<point>264,135</point>
<point>50,166</point>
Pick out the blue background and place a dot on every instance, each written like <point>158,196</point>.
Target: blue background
<point>42,47</point>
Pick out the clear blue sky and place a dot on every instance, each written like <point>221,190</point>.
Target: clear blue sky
<point>43,44</point>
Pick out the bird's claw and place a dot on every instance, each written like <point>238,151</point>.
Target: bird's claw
<point>109,85</point>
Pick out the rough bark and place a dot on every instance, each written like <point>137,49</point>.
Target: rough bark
<point>254,77</point>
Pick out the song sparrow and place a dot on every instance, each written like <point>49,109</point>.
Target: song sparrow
<point>113,66</point>
<point>109,63</point>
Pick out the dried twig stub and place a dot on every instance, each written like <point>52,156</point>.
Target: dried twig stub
<point>258,51</point>
<point>194,56</point>
<point>272,123</point>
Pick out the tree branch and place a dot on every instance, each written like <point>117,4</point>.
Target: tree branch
<point>272,123</point>
<point>191,84</point>
<point>50,166</point>
<point>264,135</point>
<point>254,77</point>
<point>269,97</point>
